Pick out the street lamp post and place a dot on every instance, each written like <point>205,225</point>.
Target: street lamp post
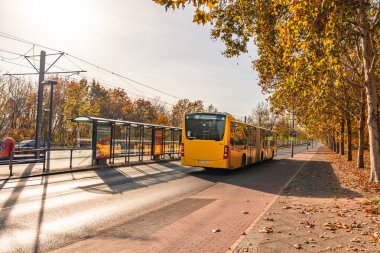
<point>52,83</point>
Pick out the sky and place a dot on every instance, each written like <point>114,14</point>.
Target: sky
<point>135,39</point>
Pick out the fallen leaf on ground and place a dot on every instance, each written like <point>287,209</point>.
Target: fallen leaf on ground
<point>266,230</point>
<point>297,246</point>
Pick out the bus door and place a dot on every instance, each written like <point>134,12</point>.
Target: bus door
<point>251,144</point>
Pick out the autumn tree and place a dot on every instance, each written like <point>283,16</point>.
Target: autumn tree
<point>185,106</point>
<point>261,116</point>
<point>143,111</point>
<point>289,36</point>
<point>211,109</point>
<point>17,105</point>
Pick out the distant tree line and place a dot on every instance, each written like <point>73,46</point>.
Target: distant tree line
<point>73,98</point>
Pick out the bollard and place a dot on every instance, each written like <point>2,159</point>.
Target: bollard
<point>44,163</point>
<point>10,160</point>
<point>71,158</point>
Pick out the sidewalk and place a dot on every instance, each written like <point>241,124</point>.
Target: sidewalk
<point>314,213</point>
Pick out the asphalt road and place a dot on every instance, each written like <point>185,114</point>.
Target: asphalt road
<point>286,152</point>
<point>40,214</point>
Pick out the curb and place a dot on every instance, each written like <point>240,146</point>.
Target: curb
<point>92,168</point>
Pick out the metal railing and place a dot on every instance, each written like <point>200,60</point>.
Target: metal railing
<point>56,158</point>
<point>11,158</point>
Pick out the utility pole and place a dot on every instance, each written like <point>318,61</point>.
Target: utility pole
<point>40,102</point>
<point>41,76</point>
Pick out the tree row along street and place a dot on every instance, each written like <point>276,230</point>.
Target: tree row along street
<point>318,60</point>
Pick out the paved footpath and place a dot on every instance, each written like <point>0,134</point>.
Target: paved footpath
<point>314,213</point>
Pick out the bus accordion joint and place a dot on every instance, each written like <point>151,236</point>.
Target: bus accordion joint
<point>182,149</point>
<point>226,154</point>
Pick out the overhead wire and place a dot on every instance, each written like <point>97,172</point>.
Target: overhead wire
<point>18,64</point>
<point>87,62</point>
<point>14,53</point>
<point>121,76</point>
<point>8,36</point>
<point>115,85</point>
<point>123,80</point>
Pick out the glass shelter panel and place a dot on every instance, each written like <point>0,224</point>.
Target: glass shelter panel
<point>147,143</point>
<point>83,135</point>
<point>176,141</point>
<point>119,141</point>
<point>135,141</point>
<point>103,141</point>
<point>168,142</point>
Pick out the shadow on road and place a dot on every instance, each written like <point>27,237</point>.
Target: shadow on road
<point>37,244</point>
<point>142,227</point>
<point>316,179</point>
<point>116,181</point>
<point>14,196</point>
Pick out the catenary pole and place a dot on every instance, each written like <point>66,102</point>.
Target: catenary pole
<point>40,101</point>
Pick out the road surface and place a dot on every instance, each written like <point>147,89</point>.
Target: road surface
<point>132,205</point>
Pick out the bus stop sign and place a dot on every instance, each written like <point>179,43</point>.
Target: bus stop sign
<point>292,135</point>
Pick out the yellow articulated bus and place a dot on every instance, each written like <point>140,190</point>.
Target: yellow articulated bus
<point>217,140</point>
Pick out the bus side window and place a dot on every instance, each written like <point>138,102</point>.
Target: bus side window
<point>262,135</point>
<point>232,140</point>
<point>252,136</point>
<point>241,136</point>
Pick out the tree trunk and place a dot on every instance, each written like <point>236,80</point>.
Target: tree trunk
<point>337,143</point>
<point>371,83</point>
<point>349,139</point>
<point>373,130</point>
<point>330,143</point>
<point>334,143</point>
<point>342,136</point>
<point>361,132</point>
<point>327,141</point>
<point>337,147</point>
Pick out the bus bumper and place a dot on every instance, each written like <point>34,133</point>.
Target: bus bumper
<point>220,164</point>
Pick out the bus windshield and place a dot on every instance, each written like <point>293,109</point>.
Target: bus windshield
<point>205,126</point>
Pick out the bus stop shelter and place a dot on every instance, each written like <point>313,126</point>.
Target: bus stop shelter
<point>118,141</point>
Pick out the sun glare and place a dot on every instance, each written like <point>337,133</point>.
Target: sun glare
<point>62,17</point>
